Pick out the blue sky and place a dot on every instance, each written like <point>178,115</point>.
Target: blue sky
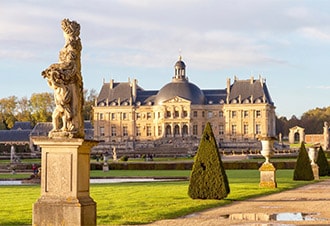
<point>287,42</point>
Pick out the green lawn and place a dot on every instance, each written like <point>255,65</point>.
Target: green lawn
<point>141,203</point>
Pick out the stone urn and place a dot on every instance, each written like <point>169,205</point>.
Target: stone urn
<point>312,154</point>
<point>267,144</point>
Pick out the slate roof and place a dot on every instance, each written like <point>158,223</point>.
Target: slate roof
<point>215,96</point>
<point>43,128</point>
<point>14,136</point>
<point>121,91</point>
<point>22,126</point>
<point>19,133</point>
<point>246,89</point>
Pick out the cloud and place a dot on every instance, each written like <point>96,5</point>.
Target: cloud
<point>321,34</point>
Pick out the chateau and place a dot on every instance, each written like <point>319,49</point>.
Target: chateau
<point>129,117</point>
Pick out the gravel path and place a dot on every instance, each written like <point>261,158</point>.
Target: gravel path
<point>307,205</point>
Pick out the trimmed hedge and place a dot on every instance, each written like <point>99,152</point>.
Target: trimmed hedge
<point>303,169</point>
<point>208,179</point>
<point>322,162</point>
<point>185,165</point>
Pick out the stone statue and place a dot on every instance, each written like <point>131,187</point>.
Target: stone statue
<point>65,79</point>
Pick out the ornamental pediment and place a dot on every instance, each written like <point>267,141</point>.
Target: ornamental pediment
<point>177,100</point>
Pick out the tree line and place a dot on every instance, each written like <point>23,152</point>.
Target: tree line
<point>38,108</point>
<point>312,120</point>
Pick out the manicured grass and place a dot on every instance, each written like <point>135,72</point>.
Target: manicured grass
<point>140,173</point>
<point>140,203</point>
<point>9,176</point>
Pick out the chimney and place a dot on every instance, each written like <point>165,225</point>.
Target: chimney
<point>111,84</point>
<point>228,90</point>
<point>134,87</point>
<point>251,80</point>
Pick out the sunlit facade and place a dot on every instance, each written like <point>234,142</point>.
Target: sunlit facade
<point>125,112</point>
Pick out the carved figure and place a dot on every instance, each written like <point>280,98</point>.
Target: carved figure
<point>65,79</point>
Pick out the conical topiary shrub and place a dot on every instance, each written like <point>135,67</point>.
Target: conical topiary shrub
<point>303,169</point>
<point>322,162</point>
<point>208,179</point>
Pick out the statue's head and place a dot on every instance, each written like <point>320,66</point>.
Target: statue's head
<point>71,28</point>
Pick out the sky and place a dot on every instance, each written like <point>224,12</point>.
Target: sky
<point>287,42</point>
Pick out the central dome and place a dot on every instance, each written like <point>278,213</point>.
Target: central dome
<point>183,89</point>
<point>180,87</point>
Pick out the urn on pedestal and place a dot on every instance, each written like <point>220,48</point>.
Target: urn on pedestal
<point>267,169</point>
<point>312,154</point>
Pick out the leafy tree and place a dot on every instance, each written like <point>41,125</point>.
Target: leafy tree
<point>208,178</point>
<point>7,111</point>
<point>89,97</point>
<point>303,169</point>
<point>42,106</point>
<point>322,162</point>
<point>23,110</point>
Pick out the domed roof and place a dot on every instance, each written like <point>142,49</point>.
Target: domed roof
<point>180,64</point>
<point>180,88</point>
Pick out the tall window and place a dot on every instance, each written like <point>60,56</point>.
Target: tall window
<point>138,115</point>
<point>138,131</point>
<point>185,130</point>
<point>125,116</point>
<point>233,129</point>
<point>113,116</point>
<point>221,114</point>
<point>233,114</point>
<point>246,129</point>
<point>258,113</point>
<point>258,129</point>
<point>195,131</point>
<point>148,115</point>
<point>209,114</point>
<point>221,129</point>
<point>159,130</point>
<point>168,114</point>
<point>148,130</point>
<point>185,114</point>
<point>113,131</point>
<point>101,116</point>
<point>245,114</point>
<point>176,114</point>
<point>168,130</point>
<point>102,131</point>
<point>195,114</point>
<point>125,131</point>
<point>176,130</point>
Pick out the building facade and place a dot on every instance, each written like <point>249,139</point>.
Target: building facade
<point>125,112</point>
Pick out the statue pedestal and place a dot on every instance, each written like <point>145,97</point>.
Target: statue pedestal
<point>105,167</point>
<point>315,169</point>
<point>65,170</point>
<point>267,175</point>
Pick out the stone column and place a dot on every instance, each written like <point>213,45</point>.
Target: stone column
<point>65,185</point>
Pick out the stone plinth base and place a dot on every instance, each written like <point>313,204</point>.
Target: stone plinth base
<point>105,167</point>
<point>65,212</point>
<point>315,169</point>
<point>65,169</point>
<point>267,176</point>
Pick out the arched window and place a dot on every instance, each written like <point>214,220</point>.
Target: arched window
<point>176,130</point>
<point>168,131</point>
<point>184,130</point>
